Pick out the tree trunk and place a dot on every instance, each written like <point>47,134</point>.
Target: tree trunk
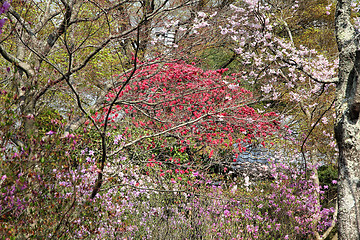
<point>347,126</point>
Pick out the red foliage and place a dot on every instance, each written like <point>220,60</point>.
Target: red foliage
<point>193,105</point>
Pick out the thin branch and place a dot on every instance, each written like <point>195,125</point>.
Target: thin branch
<point>17,62</point>
<point>309,133</point>
<point>23,23</point>
<point>141,188</point>
<point>301,68</point>
<point>63,217</point>
<point>293,63</point>
<point>166,131</point>
<point>333,224</point>
<point>98,182</point>
<point>54,36</point>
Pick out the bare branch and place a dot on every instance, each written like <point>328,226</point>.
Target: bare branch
<point>17,62</point>
<point>54,36</point>
<point>301,68</point>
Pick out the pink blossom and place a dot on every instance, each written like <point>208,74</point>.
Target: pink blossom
<point>5,7</point>
<point>201,14</point>
<point>266,89</point>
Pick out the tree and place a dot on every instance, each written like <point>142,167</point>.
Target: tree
<point>46,100</point>
<point>286,76</point>
<point>150,121</point>
<point>347,122</point>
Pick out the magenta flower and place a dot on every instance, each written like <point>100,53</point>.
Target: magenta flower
<point>4,7</point>
<point>2,22</point>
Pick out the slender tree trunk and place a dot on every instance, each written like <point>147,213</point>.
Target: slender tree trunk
<point>149,7</point>
<point>347,126</point>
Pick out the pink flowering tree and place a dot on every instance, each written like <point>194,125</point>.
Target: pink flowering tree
<point>294,80</point>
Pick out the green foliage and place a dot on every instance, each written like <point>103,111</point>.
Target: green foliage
<point>217,57</point>
<point>49,119</point>
<point>328,175</point>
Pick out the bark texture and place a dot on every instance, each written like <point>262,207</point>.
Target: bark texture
<point>347,127</point>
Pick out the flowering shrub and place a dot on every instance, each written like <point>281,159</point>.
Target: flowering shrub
<point>162,126</point>
<point>4,8</point>
<point>136,206</point>
<point>152,184</point>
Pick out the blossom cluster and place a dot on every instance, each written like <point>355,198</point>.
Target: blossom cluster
<point>4,8</point>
